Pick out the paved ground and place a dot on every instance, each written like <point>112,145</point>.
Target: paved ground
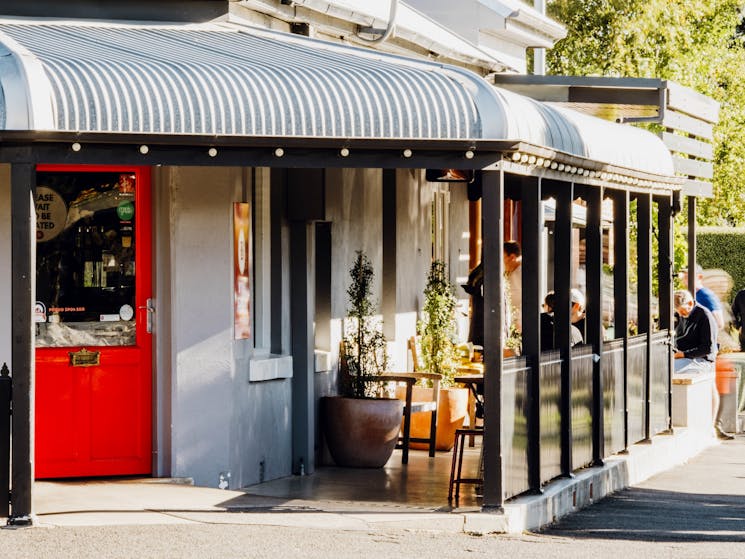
<point>694,511</point>
<point>702,501</point>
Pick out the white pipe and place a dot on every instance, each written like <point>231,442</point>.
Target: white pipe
<point>389,29</point>
<point>539,55</point>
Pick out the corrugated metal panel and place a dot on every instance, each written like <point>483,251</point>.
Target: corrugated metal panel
<point>230,79</point>
<point>190,80</point>
<point>586,136</point>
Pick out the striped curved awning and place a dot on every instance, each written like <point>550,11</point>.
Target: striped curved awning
<point>227,79</point>
<point>224,80</point>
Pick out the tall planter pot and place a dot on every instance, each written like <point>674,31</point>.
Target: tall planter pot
<point>452,410</point>
<point>361,432</point>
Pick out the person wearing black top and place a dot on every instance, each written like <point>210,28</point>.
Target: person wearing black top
<point>738,312</point>
<point>696,346</point>
<point>696,335</point>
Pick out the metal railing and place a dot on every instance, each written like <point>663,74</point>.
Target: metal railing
<point>582,390</point>
<point>514,425</point>
<point>659,380</point>
<point>636,390</point>
<point>550,417</point>
<point>623,369</point>
<point>614,424</point>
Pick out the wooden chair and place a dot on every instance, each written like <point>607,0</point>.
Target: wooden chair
<point>416,353</point>
<point>415,406</point>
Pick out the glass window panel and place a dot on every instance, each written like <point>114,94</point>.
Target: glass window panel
<point>85,259</point>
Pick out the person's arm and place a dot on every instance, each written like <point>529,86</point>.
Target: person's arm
<point>719,318</point>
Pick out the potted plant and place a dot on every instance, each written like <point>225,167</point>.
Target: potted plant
<point>439,355</point>
<point>360,425</point>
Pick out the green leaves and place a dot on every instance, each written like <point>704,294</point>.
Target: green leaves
<point>697,43</point>
<point>364,349</point>
<point>438,329</point>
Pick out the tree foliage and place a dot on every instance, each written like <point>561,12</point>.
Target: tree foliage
<point>697,43</point>
<point>365,347</point>
<point>439,329</point>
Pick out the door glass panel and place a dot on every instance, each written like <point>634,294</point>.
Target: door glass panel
<point>85,259</point>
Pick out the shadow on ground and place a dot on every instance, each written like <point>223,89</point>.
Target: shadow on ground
<point>658,516</point>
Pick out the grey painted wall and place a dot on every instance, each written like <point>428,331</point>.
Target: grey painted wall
<point>221,421</point>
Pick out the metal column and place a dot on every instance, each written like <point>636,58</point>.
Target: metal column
<point>23,261</point>
<point>691,245</point>
<point>594,320</point>
<point>621,291</point>
<point>644,274</point>
<point>562,314</point>
<point>665,224</point>
<point>493,239</point>
<point>533,270</point>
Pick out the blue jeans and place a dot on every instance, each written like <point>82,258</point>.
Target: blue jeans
<point>695,365</point>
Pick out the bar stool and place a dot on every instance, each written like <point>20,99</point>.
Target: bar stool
<point>456,469</point>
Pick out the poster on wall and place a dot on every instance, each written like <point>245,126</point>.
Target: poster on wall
<point>241,284</point>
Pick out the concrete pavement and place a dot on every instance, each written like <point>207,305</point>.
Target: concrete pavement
<point>719,470</point>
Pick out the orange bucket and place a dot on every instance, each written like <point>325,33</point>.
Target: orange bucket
<point>725,372</point>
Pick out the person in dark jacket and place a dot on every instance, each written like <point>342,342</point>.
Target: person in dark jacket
<point>696,335</point>
<point>696,346</point>
<point>547,322</point>
<point>475,288</point>
<point>738,312</point>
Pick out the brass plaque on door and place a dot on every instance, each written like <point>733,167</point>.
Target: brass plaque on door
<point>85,358</point>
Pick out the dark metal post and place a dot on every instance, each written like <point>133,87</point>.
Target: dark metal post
<point>691,245</point>
<point>594,263</point>
<point>644,274</point>
<point>533,270</point>
<point>23,262</point>
<point>665,224</point>
<point>389,302</point>
<point>562,314</point>
<point>302,305</point>
<point>493,238</point>
<point>5,395</point>
<point>621,292</point>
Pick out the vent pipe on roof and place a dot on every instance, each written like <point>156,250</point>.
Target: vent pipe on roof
<point>539,55</point>
<point>387,32</point>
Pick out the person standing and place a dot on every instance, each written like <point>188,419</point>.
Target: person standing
<point>705,296</point>
<point>738,312</point>
<point>513,258</point>
<point>696,346</point>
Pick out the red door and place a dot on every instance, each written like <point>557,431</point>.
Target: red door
<point>92,319</point>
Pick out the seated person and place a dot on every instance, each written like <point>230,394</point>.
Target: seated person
<point>696,346</point>
<point>577,316</point>
<point>695,335</point>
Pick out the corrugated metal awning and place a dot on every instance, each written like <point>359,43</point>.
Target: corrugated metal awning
<point>227,79</point>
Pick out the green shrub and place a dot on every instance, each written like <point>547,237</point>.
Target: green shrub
<point>723,248</point>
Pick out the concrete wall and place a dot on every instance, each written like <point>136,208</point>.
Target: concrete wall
<point>354,206</point>
<point>222,423</point>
